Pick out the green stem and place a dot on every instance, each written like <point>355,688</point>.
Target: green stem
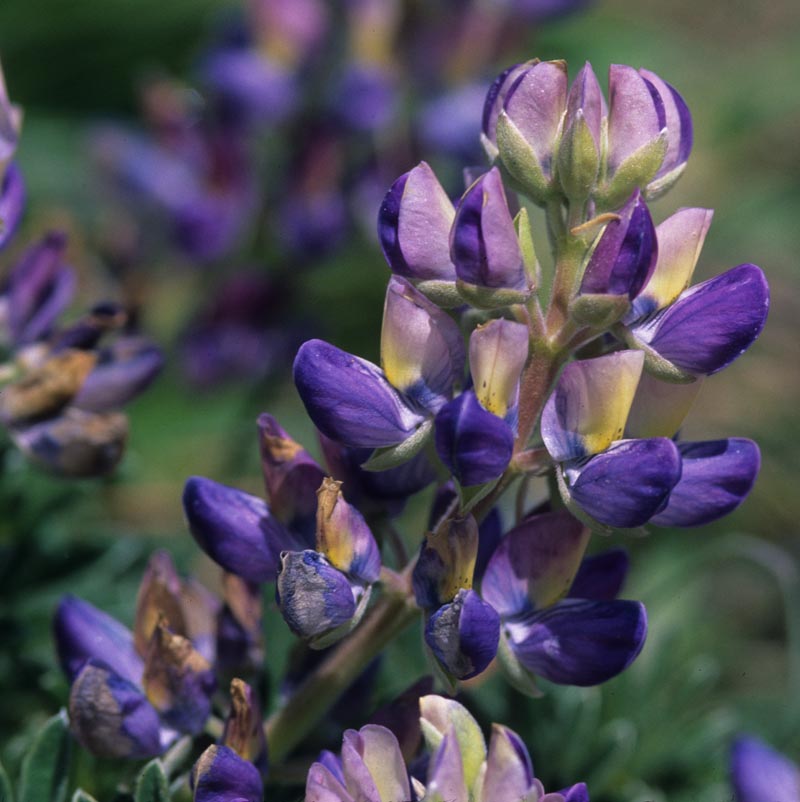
<point>287,727</point>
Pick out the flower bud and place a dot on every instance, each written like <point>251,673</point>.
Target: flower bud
<point>239,626</point>
<point>509,771</point>
<point>244,730</point>
<point>159,598</point>
<point>498,351</point>
<point>414,230</point>
<point>373,765</point>
<point>221,775</point>
<point>485,249</point>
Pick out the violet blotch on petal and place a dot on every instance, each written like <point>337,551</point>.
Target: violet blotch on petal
<point>716,477</point>
<point>350,400</point>
<point>485,249</point>
<point>235,529</point>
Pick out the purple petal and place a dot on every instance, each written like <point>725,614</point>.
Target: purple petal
<point>111,717</point>
<point>586,95</point>
<point>349,399</point>
<point>483,241</point>
<point>678,123</point>
<point>322,785</point>
<point>601,576</point>
<point>422,348</point>
<point>123,371</point>
<point>414,227</point>
<point>629,483</point>
<point>496,96</point>
<point>579,642</point>
<point>636,116</point>
<point>717,475</point>
<point>576,793</point>
<point>535,563</point>
<point>761,774</point>
<point>625,255</point>
<point>373,765</point>
<point>509,771</point>
<point>535,103</point>
<point>292,477</point>
<point>82,633</point>
<point>313,596</point>
<point>235,529</point>
<point>12,203</point>
<point>446,779</point>
<point>712,323</point>
<point>464,634</point>
<point>220,775</point>
<point>473,443</point>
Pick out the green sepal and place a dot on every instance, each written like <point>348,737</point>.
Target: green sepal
<point>654,363</point>
<point>152,784</point>
<point>598,310</point>
<point>6,792</point>
<point>578,161</point>
<point>81,796</point>
<point>520,161</point>
<point>382,459</point>
<point>443,293</point>
<point>655,189</point>
<point>45,768</point>
<point>522,223</point>
<point>517,675</point>
<point>637,171</point>
<point>489,298</point>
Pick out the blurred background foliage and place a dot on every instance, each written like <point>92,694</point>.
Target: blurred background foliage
<point>724,649</point>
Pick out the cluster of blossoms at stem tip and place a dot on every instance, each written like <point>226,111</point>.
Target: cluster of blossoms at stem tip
<point>63,385</point>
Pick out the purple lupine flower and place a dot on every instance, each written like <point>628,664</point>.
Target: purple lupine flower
<point>324,592</point>
<point>239,642</point>
<point>582,427</point>
<point>133,694</point>
<point>366,97</point>
<point>451,122</point>
<point>461,630</point>
<point>221,775</point>
<point>12,202</point>
<point>484,246</point>
<point>532,580</point>
<point>360,405</point>
<point>759,773</point>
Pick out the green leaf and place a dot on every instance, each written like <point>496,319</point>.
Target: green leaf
<point>46,765</point>
<point>151,784</point>
<point>82,796</point>
<point>6,794</point>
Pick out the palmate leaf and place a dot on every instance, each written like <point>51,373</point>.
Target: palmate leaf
<point>151,784</point>
<point>45,767</point>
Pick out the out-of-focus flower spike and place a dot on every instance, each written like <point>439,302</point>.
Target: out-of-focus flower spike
<point>350,400</point>
<point>485,249</point>
<point>10,125</point>
<point>12,203</point>
<point>159,598</point>
<point>535,563</point>
<point>318,601</point>
<point>659,407</point>
<point>76,444</point>
<point>446,562</point>
<point>589,406</point>
<point>235,529</point>
<point>678,123</point>
<point>83,633</point>
<point>712,323</point>
<point>602,487</point>
<point>422,349</point>
<point>716,477</point>
<point>601,576</point>
<point>446,772</point>
<point>343,535</point>
<point>625,255</point>
<point>680,240</point>
<point>373,765</point>
<point>244,730</point>
<point>220,775</point>
<point>178,681</point>
<point>760,773</point>
<point>414,231</point>
<point>498,351</point>
<point>46,388</point>
<point>87,331</point>
<point>112,718</point>
<point>509,771</point>
<point>292,478</point>
<point>579,642</point>
<point>463,635</point>
<point>473,443</point>
<point>123,371</point>
<point>240,645</point>
<point>201,609</point>
<point>437,716</point>
<point>529,126</point>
